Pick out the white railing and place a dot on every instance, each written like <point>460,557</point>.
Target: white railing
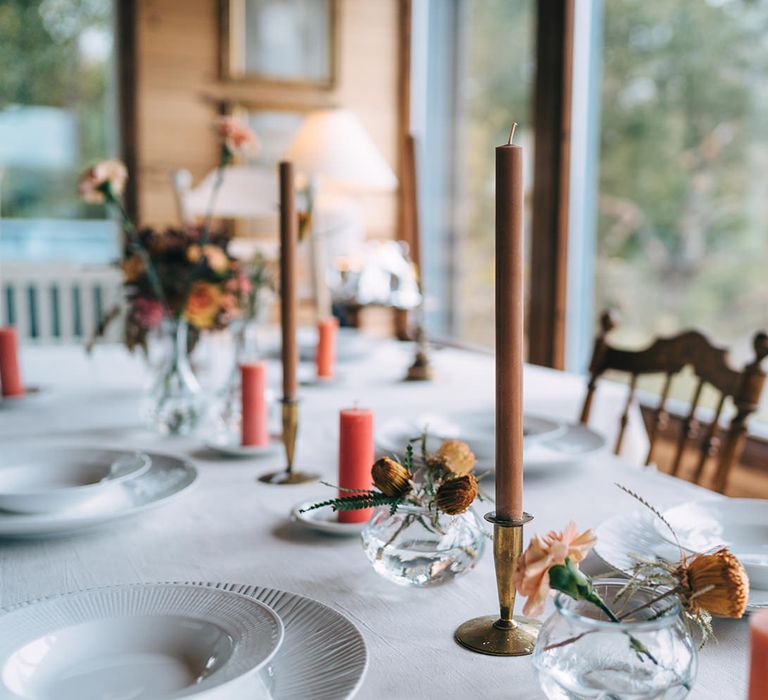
<point>58,302</point>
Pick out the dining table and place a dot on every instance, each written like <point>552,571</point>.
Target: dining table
<point>231,528</point>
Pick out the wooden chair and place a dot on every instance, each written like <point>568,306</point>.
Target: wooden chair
<point>668,356</point>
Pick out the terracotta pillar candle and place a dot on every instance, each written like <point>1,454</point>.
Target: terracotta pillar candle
<point>355,458</point>
<point>758,665</point>
<point>509,330</point>
<point>288,239</point>
<point>10,377</point>
<point>327,330</point>
<point>253,383</point>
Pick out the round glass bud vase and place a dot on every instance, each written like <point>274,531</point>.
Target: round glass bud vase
<point>415,546</point>
<point>580,653</point>
<point>176,402</point>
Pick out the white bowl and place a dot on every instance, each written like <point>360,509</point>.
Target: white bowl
<point>42,480</point>
<point>741,524</point>
<point>137,641</point>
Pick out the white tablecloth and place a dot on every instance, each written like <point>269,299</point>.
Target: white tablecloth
<point>231,528</point>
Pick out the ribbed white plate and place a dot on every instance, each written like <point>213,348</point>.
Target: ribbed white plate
<point>135,641</point>
<point>621,536</point>
<point>323,654</point>
<point>166,478</point>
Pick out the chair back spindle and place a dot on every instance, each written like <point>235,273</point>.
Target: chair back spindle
<point>669,356</point>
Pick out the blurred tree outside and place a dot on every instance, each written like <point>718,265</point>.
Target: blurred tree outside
<point>57,102</point>
<point>682,236</point>
<point>683,204</point>
<point>494,89</point>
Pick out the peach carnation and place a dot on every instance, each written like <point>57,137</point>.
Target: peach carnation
<point>532,575</point>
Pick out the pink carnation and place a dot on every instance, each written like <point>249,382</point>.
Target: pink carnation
<point>148,313</point>
<point>532,575</point>
<point>235,135</point>
<point>92,180</point>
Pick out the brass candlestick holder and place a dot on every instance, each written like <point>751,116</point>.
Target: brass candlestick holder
<point>421,369</point>
<point>506,635</point>
<point>290,410</point>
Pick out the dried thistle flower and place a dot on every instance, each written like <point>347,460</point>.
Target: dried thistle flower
<point>456,494</point>
<point>391,478</point>
<point>455,457</point>
<point>715,583</point>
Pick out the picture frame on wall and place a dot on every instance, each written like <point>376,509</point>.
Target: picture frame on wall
<point>280,42</point>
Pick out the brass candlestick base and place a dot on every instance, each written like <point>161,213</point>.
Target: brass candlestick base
<point>504,635</point>
<point>421,369</point>
<point>290,431</point>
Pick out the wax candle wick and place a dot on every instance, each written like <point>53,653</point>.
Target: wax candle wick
<point>512,133</point>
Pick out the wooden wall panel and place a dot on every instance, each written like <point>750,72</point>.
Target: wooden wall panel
<point>177,88</point>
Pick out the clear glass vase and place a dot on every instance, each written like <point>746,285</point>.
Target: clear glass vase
<point>580,653</point>
<point>176,400</point>
<point>418,547</point>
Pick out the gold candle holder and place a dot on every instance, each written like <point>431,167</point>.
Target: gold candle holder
<point>505,635</point>
<point>290,410</point>
<point>421,369</point>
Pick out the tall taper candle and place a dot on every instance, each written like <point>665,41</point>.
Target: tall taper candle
<point>288,238</point>
<point>509,330</point>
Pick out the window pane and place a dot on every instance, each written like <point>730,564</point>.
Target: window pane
<point>683,203</point>
<point>479,76</point>
<point>57,115</point>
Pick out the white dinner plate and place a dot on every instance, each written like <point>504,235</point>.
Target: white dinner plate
<point>741,524</point>
<point>350,344</point>
<point>324,520</point>
<point>31,394</point>
<point>546,442</point>
<point>622,536</point>
<point>166,479</point>
<point>43,479</point>
<point>137,641</point>
<point>323,654</point>
<point>228,444</point>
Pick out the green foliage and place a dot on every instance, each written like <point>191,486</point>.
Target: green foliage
<point>682,159</point>
<point>44,62</point>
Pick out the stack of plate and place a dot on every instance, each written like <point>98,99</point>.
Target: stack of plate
<point>741,524</point>
<point>546,441</point>
<point>145,641</point>
<point>57,490</point>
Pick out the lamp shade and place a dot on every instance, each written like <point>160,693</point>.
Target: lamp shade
<point>334,145</point>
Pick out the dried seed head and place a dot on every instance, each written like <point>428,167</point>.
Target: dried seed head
<point>716,583</point>
<point>391,478</point>
<point>457,494</point>
<point>455,457</point>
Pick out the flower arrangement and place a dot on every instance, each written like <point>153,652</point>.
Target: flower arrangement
<point>440,482</point>
<point>179,273</point>
<point>200,284</point>
<point>705,584</point>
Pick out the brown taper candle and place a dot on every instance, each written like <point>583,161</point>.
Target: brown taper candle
<point>509,331</point>
<point>288,238</point>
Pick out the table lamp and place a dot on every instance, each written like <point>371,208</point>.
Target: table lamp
<point>335,153</point>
